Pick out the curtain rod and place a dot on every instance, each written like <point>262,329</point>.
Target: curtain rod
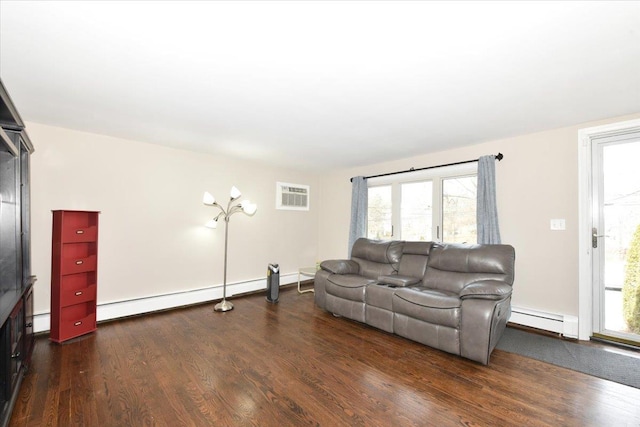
<point>499,157</point>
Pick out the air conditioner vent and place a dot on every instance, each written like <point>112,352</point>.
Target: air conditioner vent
<point>292,196</point>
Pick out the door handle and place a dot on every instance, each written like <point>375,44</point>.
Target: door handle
<point>594,237</point>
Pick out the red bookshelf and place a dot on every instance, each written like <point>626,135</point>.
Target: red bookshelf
<point>74,274</point>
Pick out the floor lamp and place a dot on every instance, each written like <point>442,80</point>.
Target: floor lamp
<point>245,207</point>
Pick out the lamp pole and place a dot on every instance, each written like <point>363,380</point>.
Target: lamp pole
<point>224,305</point>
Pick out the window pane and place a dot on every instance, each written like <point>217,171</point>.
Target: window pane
<point>459,209</point>
<point>416,211</point>
<point>379,213</point>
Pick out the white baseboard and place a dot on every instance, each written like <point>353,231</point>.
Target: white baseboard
<point>559,323</point>
<point>118,309</point>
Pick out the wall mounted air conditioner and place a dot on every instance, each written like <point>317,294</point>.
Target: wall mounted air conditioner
<point>292,196</point>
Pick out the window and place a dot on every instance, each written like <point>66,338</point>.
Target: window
<point>432,205</point>
<point>379,213</point>
<point>459,196</point>
<point>416,210</point>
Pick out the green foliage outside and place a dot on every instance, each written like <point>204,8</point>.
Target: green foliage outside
<point>636,312</point>
<point>631,286</point>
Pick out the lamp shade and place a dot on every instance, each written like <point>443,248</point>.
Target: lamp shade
<point>208,199</point>
<point>235,193</point>
<point>249,208</point>
<point>212,224</point>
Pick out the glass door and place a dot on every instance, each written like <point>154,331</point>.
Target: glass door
<point>616,237</point>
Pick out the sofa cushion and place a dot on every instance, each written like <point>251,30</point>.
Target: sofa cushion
<point>348,286</point>
<point>453,266</point>
<point>377,257</point>
<point>430,305</point>
<point>414,259</point>
<point>412,267</point>
<point>383,251</point>
<point>379,296</point>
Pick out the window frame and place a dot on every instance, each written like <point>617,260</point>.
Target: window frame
<point>436,175</point>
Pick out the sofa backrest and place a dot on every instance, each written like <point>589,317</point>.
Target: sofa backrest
<point>453,266</point>
<point>377,257</point>
<point>415,256</point>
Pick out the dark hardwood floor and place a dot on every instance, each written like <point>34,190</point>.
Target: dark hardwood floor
<point>291,364</point>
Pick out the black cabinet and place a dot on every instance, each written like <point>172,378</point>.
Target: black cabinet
<point>16,281</point>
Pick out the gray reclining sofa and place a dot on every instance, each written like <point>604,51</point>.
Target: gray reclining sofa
<point>456,298</point>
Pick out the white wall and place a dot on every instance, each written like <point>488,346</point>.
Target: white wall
<point>536,181</point>
<point>152,240</point>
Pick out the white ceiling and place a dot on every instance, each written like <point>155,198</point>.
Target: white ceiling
<point>319,84</point>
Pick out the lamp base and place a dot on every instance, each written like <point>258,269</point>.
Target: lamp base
<point>223,305</point>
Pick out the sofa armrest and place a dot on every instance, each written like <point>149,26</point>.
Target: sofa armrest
<point>486,289</point>
<point>340,266</point>
<point>399,280</point>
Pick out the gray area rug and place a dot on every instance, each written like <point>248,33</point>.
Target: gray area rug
<point>607,363</point>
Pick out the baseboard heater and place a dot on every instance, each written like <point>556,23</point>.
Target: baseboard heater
<point>562,324</point>
<point>152,303</point>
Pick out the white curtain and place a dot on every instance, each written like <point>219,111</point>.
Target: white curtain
<point>359,203</point>
<point>487,210</point>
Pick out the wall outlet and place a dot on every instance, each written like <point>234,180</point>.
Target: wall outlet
<point>558,224</point>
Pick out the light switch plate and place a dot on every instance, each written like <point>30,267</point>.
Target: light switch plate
<point>558,224</point>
